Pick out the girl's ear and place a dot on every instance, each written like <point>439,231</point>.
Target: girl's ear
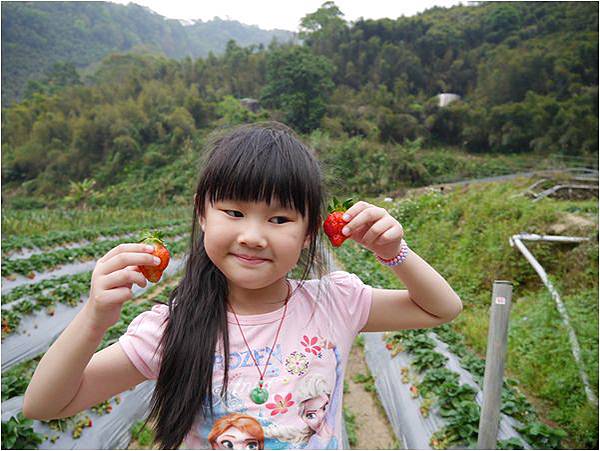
<point>307,239</point>
<point>201,220</point>
<point>306,242</point>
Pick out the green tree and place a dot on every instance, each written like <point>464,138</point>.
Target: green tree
<point>299,84</point>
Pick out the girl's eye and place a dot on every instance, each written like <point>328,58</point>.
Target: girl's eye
<point>252,445</point>
<point>237,214</point>
<point>282,218</point>
<point>227,444</point>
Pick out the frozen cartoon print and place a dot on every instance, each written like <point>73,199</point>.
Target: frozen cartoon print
<point>237,431</point>
<point>313,400</point>
<point>317,396</point>
<point>304,388</point>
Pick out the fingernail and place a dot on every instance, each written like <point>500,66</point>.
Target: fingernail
<point>345,230</point>
<point>346,217</point>
<point>156,260</point>
<point>150,248</point>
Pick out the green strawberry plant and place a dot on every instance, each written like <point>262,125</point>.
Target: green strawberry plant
<point>55,238</point>
<point>18,433</point>
<point>143,434</point>
<point>427,358</point>
<point>40,262</point>
<point>542,436</point>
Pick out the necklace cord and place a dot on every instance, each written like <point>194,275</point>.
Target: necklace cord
<point>262,373</point>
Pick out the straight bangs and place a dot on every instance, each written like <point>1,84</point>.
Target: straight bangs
<point>263,165</point>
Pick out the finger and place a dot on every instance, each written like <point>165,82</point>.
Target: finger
<point>123,278</point>
<point>134,268</point>
<point>376,230</point>
<point>117,295</point>
<point>367,216</point>
<point>126,247</point>
<point>358,234</point>
<point>391,234</point>
<point>356,209</point>
<point>123,260</point>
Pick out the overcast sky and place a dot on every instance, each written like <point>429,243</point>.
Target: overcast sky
<point>285,14</point>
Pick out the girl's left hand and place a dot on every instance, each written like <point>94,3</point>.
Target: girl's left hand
<point>374,228</point>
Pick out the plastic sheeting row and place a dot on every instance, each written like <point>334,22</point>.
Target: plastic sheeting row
<point>108,431</point>
<point>411,428</point>
<point>37,331</point>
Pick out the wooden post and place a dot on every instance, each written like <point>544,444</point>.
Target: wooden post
<point>494,365</point>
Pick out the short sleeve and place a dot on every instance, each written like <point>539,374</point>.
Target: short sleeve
<point>352,300</point>
<point>142,338</point>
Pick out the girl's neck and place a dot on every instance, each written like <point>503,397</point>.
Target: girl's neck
<point>257,302</point>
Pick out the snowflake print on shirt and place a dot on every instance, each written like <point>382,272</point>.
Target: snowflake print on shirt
<point>296,363</point>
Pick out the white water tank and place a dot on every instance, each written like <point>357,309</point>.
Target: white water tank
<point>447,98</point>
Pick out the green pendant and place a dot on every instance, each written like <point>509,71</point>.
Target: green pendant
<point>259,395</point>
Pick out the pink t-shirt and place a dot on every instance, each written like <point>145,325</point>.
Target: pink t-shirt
<point>304,378</point>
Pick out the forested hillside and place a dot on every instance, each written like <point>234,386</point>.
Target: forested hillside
<point>364,94</point>
<point>35,35</point>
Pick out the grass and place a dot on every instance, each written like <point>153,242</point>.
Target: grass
<point>350,420</point>
<point>464,235</point>
<point>29,222</point>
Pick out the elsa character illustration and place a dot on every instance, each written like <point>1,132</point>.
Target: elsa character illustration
<point>313,404</point>
<point>313,400</point>
<point>324,417</point>
<point>237,431</point>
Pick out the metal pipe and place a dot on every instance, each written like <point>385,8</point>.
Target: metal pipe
<point>515,240</point>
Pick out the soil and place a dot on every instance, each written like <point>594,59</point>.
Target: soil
<point>373,430</point>
<point>571,223</point>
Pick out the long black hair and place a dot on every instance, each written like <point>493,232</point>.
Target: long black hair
<point>253,163</point>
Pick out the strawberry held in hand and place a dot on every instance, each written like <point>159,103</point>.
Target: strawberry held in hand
<point>154,273</point>
<point>334,223</point>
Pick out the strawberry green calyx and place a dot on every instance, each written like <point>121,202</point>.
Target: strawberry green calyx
<point>150,237</point>
<point>336,205</point>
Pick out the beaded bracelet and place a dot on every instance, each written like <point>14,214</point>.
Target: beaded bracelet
<point>398,259</point>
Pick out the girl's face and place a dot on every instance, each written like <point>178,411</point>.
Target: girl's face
<point>234,438</point>
<point>253,244</point>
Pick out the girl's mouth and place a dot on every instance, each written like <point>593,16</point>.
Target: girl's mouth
<point>250,261</point>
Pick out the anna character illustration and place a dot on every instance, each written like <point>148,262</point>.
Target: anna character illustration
<point>237,431</point>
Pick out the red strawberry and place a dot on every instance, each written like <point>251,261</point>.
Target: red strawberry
<point>154,273</point>
<point>334,223</point>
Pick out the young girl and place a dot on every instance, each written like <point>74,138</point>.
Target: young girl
<point>239,338</point>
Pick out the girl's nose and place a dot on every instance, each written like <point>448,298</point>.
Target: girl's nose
<point>252,236</point>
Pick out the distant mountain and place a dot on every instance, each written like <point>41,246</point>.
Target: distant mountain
<point>35,35</point>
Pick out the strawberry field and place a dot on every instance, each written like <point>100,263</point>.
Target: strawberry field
<point>45,282</point>
<point>465,235</point>
<point>428,381</point>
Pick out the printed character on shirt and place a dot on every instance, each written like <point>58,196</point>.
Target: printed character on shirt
<point>237,431</point>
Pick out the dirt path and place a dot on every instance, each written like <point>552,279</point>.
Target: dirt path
<point>373,430</point>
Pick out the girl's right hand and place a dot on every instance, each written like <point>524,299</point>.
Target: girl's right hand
<point>112,279</point>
